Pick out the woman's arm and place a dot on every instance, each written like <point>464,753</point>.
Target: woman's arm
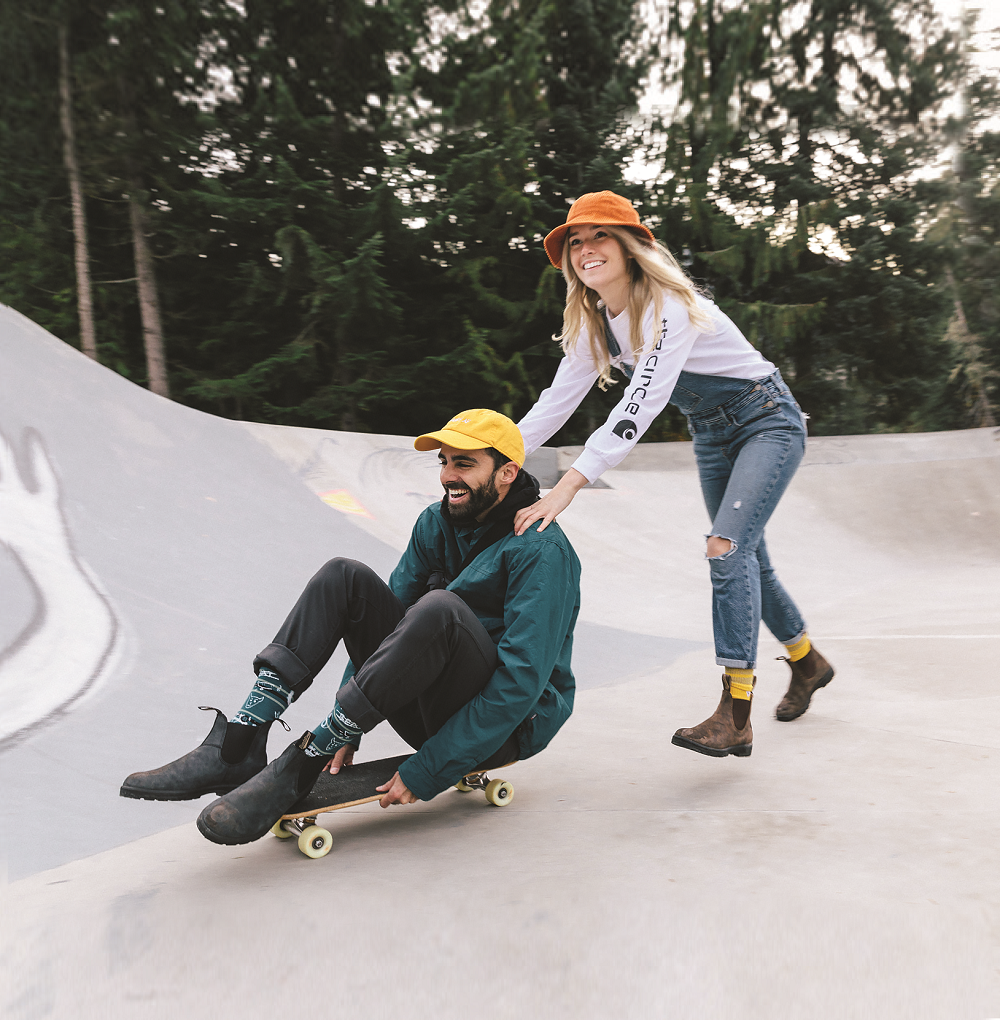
<point>548,508</point>
<point>573,379</point>
<point>668,345</point>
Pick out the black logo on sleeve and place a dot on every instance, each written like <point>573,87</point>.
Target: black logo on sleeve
<point>643,377</point>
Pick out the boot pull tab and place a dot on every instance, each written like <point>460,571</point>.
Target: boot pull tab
<point>288,728</point>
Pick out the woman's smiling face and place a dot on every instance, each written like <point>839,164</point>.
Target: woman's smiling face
<point>597,258</point>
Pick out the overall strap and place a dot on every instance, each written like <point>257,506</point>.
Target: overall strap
<point>614,348</point>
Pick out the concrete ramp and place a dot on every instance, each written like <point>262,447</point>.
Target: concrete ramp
<point>147,551</point>
<point>846,870</point>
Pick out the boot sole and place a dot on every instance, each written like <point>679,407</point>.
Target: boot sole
<point>824,680</point>
<point>136,794</point>
<point>737,750</point>
<point>211,834</point>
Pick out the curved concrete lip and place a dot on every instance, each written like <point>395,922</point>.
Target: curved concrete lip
<point>845,870</point>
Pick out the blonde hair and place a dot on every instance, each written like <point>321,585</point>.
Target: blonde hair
<point>652,270</point>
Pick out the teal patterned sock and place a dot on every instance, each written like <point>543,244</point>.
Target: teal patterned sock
<point>333,733</point>
<point>268,698</point>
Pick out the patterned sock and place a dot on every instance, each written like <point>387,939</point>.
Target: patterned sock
<point>800,649</point>
<point>333,733</point>
<point>268,698</point>
<point>740,683</point>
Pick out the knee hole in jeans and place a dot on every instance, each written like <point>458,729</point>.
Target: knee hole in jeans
<point>719,547</point>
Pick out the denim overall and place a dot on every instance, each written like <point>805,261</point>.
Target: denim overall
<point>749,437</point>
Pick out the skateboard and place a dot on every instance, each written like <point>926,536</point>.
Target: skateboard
<point>355,785</point>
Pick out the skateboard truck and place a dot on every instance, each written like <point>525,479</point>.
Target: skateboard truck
<point>498,791</point>
<point>314,840</point>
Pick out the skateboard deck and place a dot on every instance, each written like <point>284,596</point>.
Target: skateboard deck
<point>355,784</point>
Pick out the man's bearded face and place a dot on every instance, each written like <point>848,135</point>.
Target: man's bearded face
<point>464,504</point>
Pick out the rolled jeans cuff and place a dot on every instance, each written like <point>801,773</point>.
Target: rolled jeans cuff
<point>794,640</point>
<point>357,707</point>
<point>284,662</point>
<point>734,663</point>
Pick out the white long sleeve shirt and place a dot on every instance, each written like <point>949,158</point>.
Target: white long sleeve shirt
<point>672,345</point>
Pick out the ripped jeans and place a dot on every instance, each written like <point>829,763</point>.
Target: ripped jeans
<point>749,438</point>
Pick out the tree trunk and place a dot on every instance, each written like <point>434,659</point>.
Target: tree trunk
<point>145,272</point>
<point>149,302</point>
<point>84,298</point>
<point>977,371</point>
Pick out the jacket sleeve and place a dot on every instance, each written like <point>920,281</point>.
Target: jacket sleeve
<point>537,613</point>
<point>667,348</point>
<point>408,580</point>
<point>573,379</point>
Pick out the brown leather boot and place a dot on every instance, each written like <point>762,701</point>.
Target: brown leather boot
<point>719,734</point>
<point>809,674</point>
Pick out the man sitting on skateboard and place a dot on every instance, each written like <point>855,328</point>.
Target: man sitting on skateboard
<point>466,651</point>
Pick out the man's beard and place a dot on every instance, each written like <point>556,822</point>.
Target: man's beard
<point>478,502</point>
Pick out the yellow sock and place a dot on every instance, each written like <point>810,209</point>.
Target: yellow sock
<point>800,649</point>
<point>740,683</point>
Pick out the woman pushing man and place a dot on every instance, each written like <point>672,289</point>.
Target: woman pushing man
<point>630,306</point>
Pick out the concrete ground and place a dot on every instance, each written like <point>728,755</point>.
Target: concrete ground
<point>846,870</point>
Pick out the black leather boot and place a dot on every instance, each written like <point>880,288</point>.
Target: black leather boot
<point>249,812</point>
<point>202,770</point>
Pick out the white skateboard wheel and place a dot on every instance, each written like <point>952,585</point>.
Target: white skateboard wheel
<point>499,792</point>
<point>315,841</point>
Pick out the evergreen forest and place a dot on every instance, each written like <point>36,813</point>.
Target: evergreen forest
<point>329,212</point>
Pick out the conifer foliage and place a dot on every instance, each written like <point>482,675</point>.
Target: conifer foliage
<point>793,180</point>
<point>330,212</point>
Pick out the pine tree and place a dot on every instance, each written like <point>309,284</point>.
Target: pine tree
<point>789,183</point>
<point>969,228</point>
<point>343,202</point>
<point>135,71</point>
<point>595,67</point>
<point>36,229</point>
<point>302,226</point>
<point>528,108</point>
<point>141,80</point>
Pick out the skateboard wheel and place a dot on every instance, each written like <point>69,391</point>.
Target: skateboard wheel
<point>278,831</point>
<point>315,841</point>
<point>499,792</point>
<point>463,787</point>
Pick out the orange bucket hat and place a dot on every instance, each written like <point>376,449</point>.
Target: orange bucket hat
<point>601,207</point>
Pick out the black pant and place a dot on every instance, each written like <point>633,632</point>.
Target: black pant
<point>415,667</point>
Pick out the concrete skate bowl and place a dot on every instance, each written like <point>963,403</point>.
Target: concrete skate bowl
<point>148,550</point>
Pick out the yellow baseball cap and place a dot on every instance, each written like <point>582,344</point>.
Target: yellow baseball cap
<point>476,430</point>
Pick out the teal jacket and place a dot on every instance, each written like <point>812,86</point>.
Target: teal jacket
<point>526,592</point>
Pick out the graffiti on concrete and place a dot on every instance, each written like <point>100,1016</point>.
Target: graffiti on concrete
<point>70,638</point>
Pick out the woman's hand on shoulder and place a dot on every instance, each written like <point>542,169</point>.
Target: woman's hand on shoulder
<point>552,504</point>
